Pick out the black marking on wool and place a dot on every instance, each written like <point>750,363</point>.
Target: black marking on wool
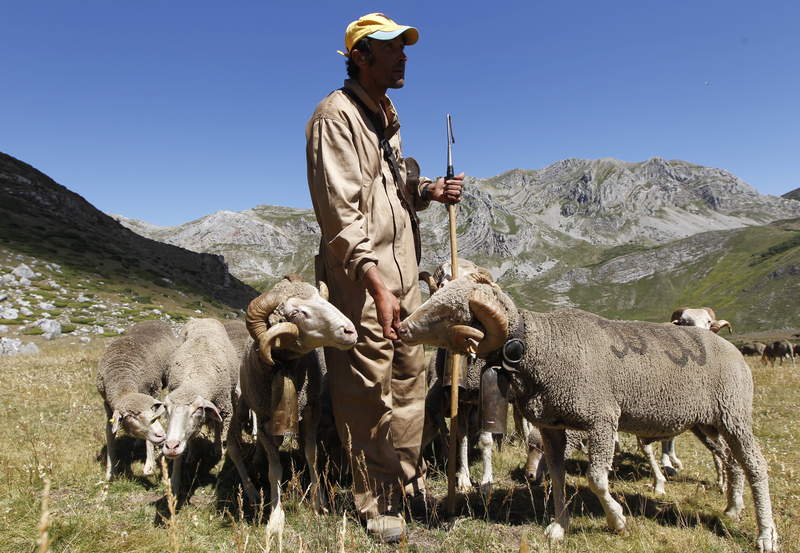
<point>699,355</point>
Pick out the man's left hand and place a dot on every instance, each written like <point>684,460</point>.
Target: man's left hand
<point>447,191</point>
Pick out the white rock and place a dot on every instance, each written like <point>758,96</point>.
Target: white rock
<point>23,271</point>
<point>52,329</point>
<point>46,315</point>
<point>98,307</point>
<point>8,280</point>
<point>23,302</point>
<point>198,311</point>
<point>25,311</point>
<point>3,297</point>
<point>81,298</point>
<point>8,313</point>
<point>85,339</point>
<point>97,329</point>
<point>14,346</point>
<point>46,306</point>
<point>3,329</point>
<point>156,311</point>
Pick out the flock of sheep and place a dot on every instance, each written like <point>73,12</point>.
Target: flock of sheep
<point>581,379</point>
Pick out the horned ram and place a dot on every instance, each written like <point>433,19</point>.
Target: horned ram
<point>583,372</point>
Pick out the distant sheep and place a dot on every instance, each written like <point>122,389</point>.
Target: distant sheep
<point>130,376</point>
<point>752,348</point>
<point>583,372</point>
<point>780,349</point>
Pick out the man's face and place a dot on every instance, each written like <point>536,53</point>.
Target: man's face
<point>388,66</point>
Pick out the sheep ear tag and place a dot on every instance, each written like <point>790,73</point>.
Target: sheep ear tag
<point>114,420</point>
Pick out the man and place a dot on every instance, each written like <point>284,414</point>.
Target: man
<point>366,208</point>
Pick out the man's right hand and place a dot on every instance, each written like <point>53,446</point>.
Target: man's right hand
<point>386,304</point>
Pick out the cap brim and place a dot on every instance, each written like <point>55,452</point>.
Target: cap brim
<point>411,34</point>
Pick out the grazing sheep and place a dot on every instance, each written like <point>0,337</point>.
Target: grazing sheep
<point>780,349</point>
<point>289,325</point>
<point>201,382</point>
<point>130,376</point>
<point>753,348</point>
<point>583,372</point>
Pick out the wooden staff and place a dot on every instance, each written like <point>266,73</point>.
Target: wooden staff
<point>454,359</point>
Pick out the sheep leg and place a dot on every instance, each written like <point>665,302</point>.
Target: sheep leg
<point>111,447</point>
<point>601,455</point>
<point>463,481</point>
<point>311,418</point>
<point>658,477</point>
<point>744,448</point>
<point>485,443</point>
<point>534,465</point>
<point>522,428</point>
<point>710,437</point>
<point>150,462</point>
<point>175,477</point>
<point>274,464</point>
<point>234,451</point>
<point>669,459</point>
<point>719,465</point>
<point>555,442</point>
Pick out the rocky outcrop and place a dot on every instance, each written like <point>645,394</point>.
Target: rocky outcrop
<point>55,223</point>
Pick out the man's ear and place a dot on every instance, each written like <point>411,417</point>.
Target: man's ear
<point>114,420</point>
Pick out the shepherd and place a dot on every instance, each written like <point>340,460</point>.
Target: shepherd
<point>365,196</point>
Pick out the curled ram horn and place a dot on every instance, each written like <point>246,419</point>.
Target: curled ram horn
<point>426,277</point>
<point>323,290</point>
<point>716,326</point>
<point>272,338</point>
<point>463,338</point>
<point>490,314</point>
<point>257,319</point>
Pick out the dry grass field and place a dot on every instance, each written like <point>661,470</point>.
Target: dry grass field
<point>51,434</point>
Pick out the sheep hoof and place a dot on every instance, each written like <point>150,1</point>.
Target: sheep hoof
<point>659,489</point>
<point>463,484</point>
<point>734,512</point>
<point>616,523</point>
<point>671,471</point>
<point>554,532</point>
<point>768,541</point>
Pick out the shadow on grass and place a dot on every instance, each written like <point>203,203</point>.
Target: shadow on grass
<point>198,461</point>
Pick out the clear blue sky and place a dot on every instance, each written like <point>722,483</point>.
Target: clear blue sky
<point>167,111</point>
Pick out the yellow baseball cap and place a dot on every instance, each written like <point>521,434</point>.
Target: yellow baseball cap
<point>377,26</point>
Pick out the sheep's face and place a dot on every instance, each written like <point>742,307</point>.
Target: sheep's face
<point>319,323</point>
<point>695,317</point>
<point>140,418</point>
<point>432,321</point>
<point>185,421</point>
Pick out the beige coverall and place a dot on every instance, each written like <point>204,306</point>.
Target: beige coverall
<point>378,388</point>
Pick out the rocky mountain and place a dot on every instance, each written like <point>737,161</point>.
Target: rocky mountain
<point>41,218</point>
<point>521,224</point>
<point>793,195</point>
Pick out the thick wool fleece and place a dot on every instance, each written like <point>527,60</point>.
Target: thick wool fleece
<point>136,364</point>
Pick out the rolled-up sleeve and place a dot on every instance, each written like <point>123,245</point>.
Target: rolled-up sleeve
<point>335,184</point>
